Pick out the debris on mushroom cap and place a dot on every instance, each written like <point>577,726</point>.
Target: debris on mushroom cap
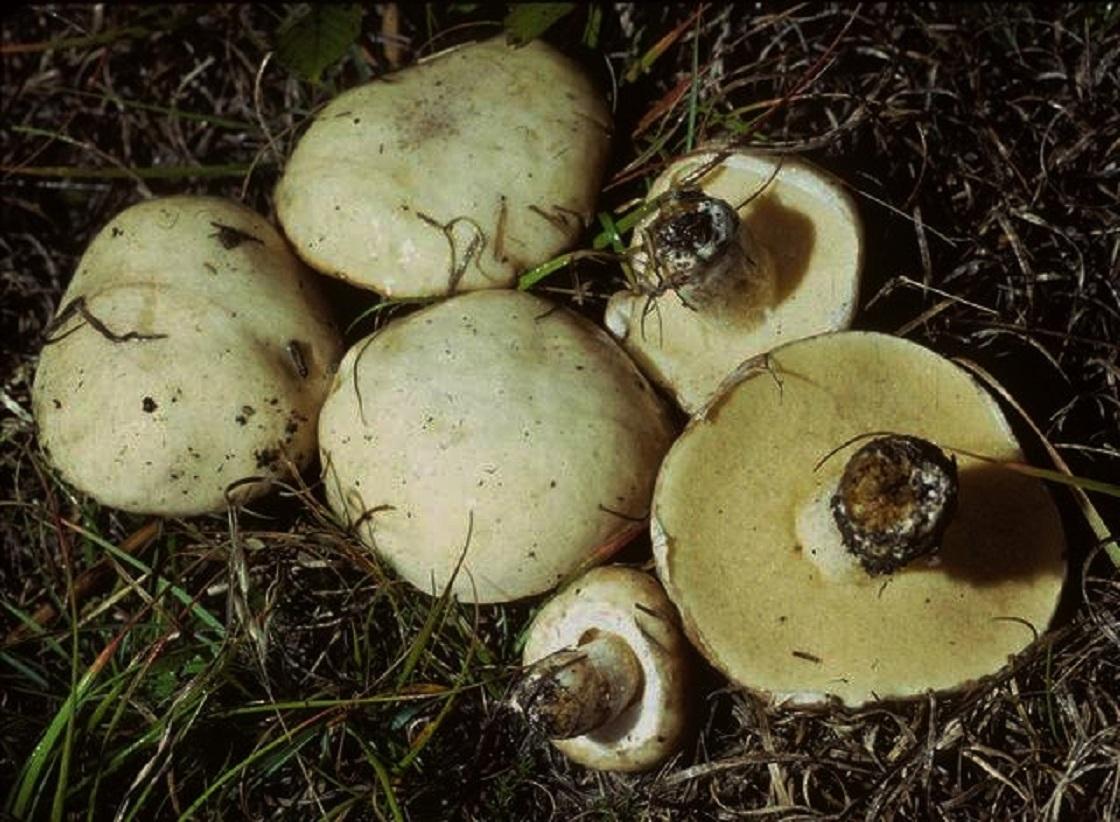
<point>599,620</point>
<point>187,362</point>
<point>502,411</point>
<point>748,548</point>
<point>451,175</point>
<point>792,270</point>
<point>894,501</point>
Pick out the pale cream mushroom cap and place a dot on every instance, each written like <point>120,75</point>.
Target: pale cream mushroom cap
<point>806,235</point>
<point>632,605</point>
<point>454,174</point>
<point>498,427</point>
<point>758,572</point>
<point>232,385</point>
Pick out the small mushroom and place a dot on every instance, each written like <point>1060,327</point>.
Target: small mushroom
<point>451,175</point>
<point>813,555</point>
<point>497,430</point>
<point>187,362</point>
<point>753,252</point>
<point>607,672</point>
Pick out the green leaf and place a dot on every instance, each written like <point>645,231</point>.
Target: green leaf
<point>312,37</point>
<point>528,21</point>
<point>594,26</point>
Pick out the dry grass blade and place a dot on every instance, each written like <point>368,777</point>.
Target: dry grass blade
<point>89,583</point>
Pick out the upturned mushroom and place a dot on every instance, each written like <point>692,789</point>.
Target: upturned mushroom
<point>495,439</point>
<point>744,252</point>
<point>607,672</point>
<point>187,362</point>
<point>839,525</point>
<point>450,175</point>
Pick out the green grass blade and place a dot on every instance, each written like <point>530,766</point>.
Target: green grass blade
<point>1049,474</point>
<point>404,695</point>
<point>612,232</point>
<point>110,36</point>
<point>58,804</point>
<point>25,670</point>
<point>194,116</point>
<point>623,224</point>
<point>33,770</point>
<point>99,39</point>
<point>162,584</point>
<point>386,305</point>
<point>594,26</point>
<point>694,89</point>
<point>36,629</point>
<point>169,172</point>
<point>528,21</point>
<point>423,638</point>
<point>534,275</point>
<point>382,774</point>
<point>256,755</point>
<point>435,615</point>
<point>1109,541</point>
<point>430,729</point>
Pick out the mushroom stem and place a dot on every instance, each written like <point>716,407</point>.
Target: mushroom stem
<point>576,690</point>
<point>894,501</point>
<point>698,247</point>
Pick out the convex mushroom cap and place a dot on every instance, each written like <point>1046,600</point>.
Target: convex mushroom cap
<point>451,175</point>
<point>494,428</point>
<point>743,253</point>
<point>608,672</point>
<point>810,560</point>
<point>189,354</point>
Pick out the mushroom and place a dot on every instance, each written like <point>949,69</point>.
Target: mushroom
<point>451,175</point>
<point>812,554</point>
<point>607,672</point>
<point>743,252</point>
<point>189,358</point>
<point>497,430</point>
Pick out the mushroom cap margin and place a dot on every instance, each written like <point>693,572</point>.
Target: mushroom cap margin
<point>771,621</point>
<point>411,186</point>
<point>631,604</point>
<point>167,425</point>
<point>496,427</point>
<point>809,232</point>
